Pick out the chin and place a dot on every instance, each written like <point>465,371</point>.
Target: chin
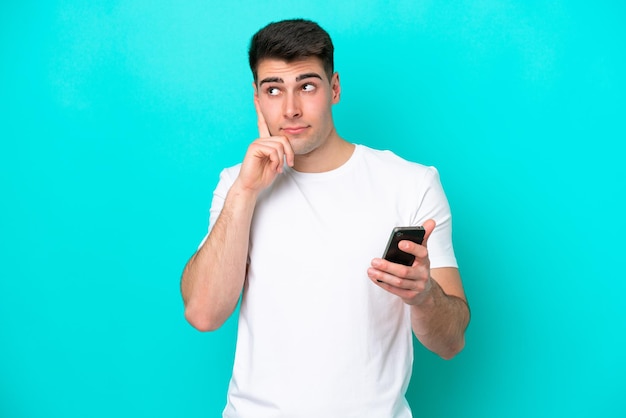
<point>303,149</point>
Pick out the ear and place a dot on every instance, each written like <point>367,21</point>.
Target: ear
<point>335,88</point>
<point>256,91</point>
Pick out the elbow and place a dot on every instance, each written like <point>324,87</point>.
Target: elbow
<point>452,350</point>
<point>203,322</point>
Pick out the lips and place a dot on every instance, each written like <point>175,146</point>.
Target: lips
<point>293,130</point>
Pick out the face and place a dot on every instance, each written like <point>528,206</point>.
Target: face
<point>295,99</point>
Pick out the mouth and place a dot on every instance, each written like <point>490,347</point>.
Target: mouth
<point>294,130</point>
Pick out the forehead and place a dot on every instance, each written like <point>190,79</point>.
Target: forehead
<point>289,70</point>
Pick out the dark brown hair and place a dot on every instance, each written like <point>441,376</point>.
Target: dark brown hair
<point>291,40</point>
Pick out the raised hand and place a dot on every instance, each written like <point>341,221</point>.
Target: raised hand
<point>265,157</point>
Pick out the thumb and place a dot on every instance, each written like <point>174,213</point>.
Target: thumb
<point>429,226</point>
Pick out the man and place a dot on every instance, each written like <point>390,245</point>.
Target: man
<point>297,230</point>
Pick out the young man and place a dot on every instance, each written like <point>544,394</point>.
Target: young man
<point>297,230</point>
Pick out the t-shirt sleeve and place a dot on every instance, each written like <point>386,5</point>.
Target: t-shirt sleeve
<point>227,178</point>
<point>434,205</point>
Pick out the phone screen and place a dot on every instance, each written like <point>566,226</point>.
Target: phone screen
<point>411,233</point>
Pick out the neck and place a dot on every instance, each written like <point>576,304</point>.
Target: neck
<point>333,154</point>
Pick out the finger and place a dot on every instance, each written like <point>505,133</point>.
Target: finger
<point>271,150</point>
<point>386,269</point>
<point>418,250</point>
<point>289,153</point>
<point>429,226</point>
<point>282,146</point>
<point>390,281</point>
<point>384,279</point>
<point>264,131</point>
<point>286,148</point>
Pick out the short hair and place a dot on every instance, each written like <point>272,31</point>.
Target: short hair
<point>291,40</point>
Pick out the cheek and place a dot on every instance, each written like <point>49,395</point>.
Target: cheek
<point>319,107</point>
<point>270,111</point>
<point>324,111</point>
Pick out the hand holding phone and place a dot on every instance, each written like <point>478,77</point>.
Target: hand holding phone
<point>410,233</point>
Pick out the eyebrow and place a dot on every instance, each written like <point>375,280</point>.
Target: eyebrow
<point>308,75</point>
<point>298,78</point>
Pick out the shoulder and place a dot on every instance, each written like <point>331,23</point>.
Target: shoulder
<point>388,161</point>
<point>229,174</point>
<point>227,178</point>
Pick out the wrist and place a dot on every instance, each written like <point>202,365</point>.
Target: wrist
<point>241,191</point>
<point>426,294</point>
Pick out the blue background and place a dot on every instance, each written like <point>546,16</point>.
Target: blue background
<point>117,116</point>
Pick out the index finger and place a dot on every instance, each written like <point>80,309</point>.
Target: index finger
<point>264,131</point>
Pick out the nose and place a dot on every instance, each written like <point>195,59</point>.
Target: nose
<point>292,107</point>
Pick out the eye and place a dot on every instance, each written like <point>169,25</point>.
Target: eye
<point>273,91</point>
<point>308,87</point>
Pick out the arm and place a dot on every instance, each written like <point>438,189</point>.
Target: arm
<point>440,317</point>
<point>439,311</point>
<point>214,276</point>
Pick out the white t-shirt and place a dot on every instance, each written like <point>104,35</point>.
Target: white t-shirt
<point>316,337</point>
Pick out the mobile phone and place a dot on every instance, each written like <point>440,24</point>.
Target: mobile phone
<point>410,233</point>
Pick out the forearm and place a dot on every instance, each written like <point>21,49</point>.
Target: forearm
<point>213,278</point>
<point>439,321</point>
